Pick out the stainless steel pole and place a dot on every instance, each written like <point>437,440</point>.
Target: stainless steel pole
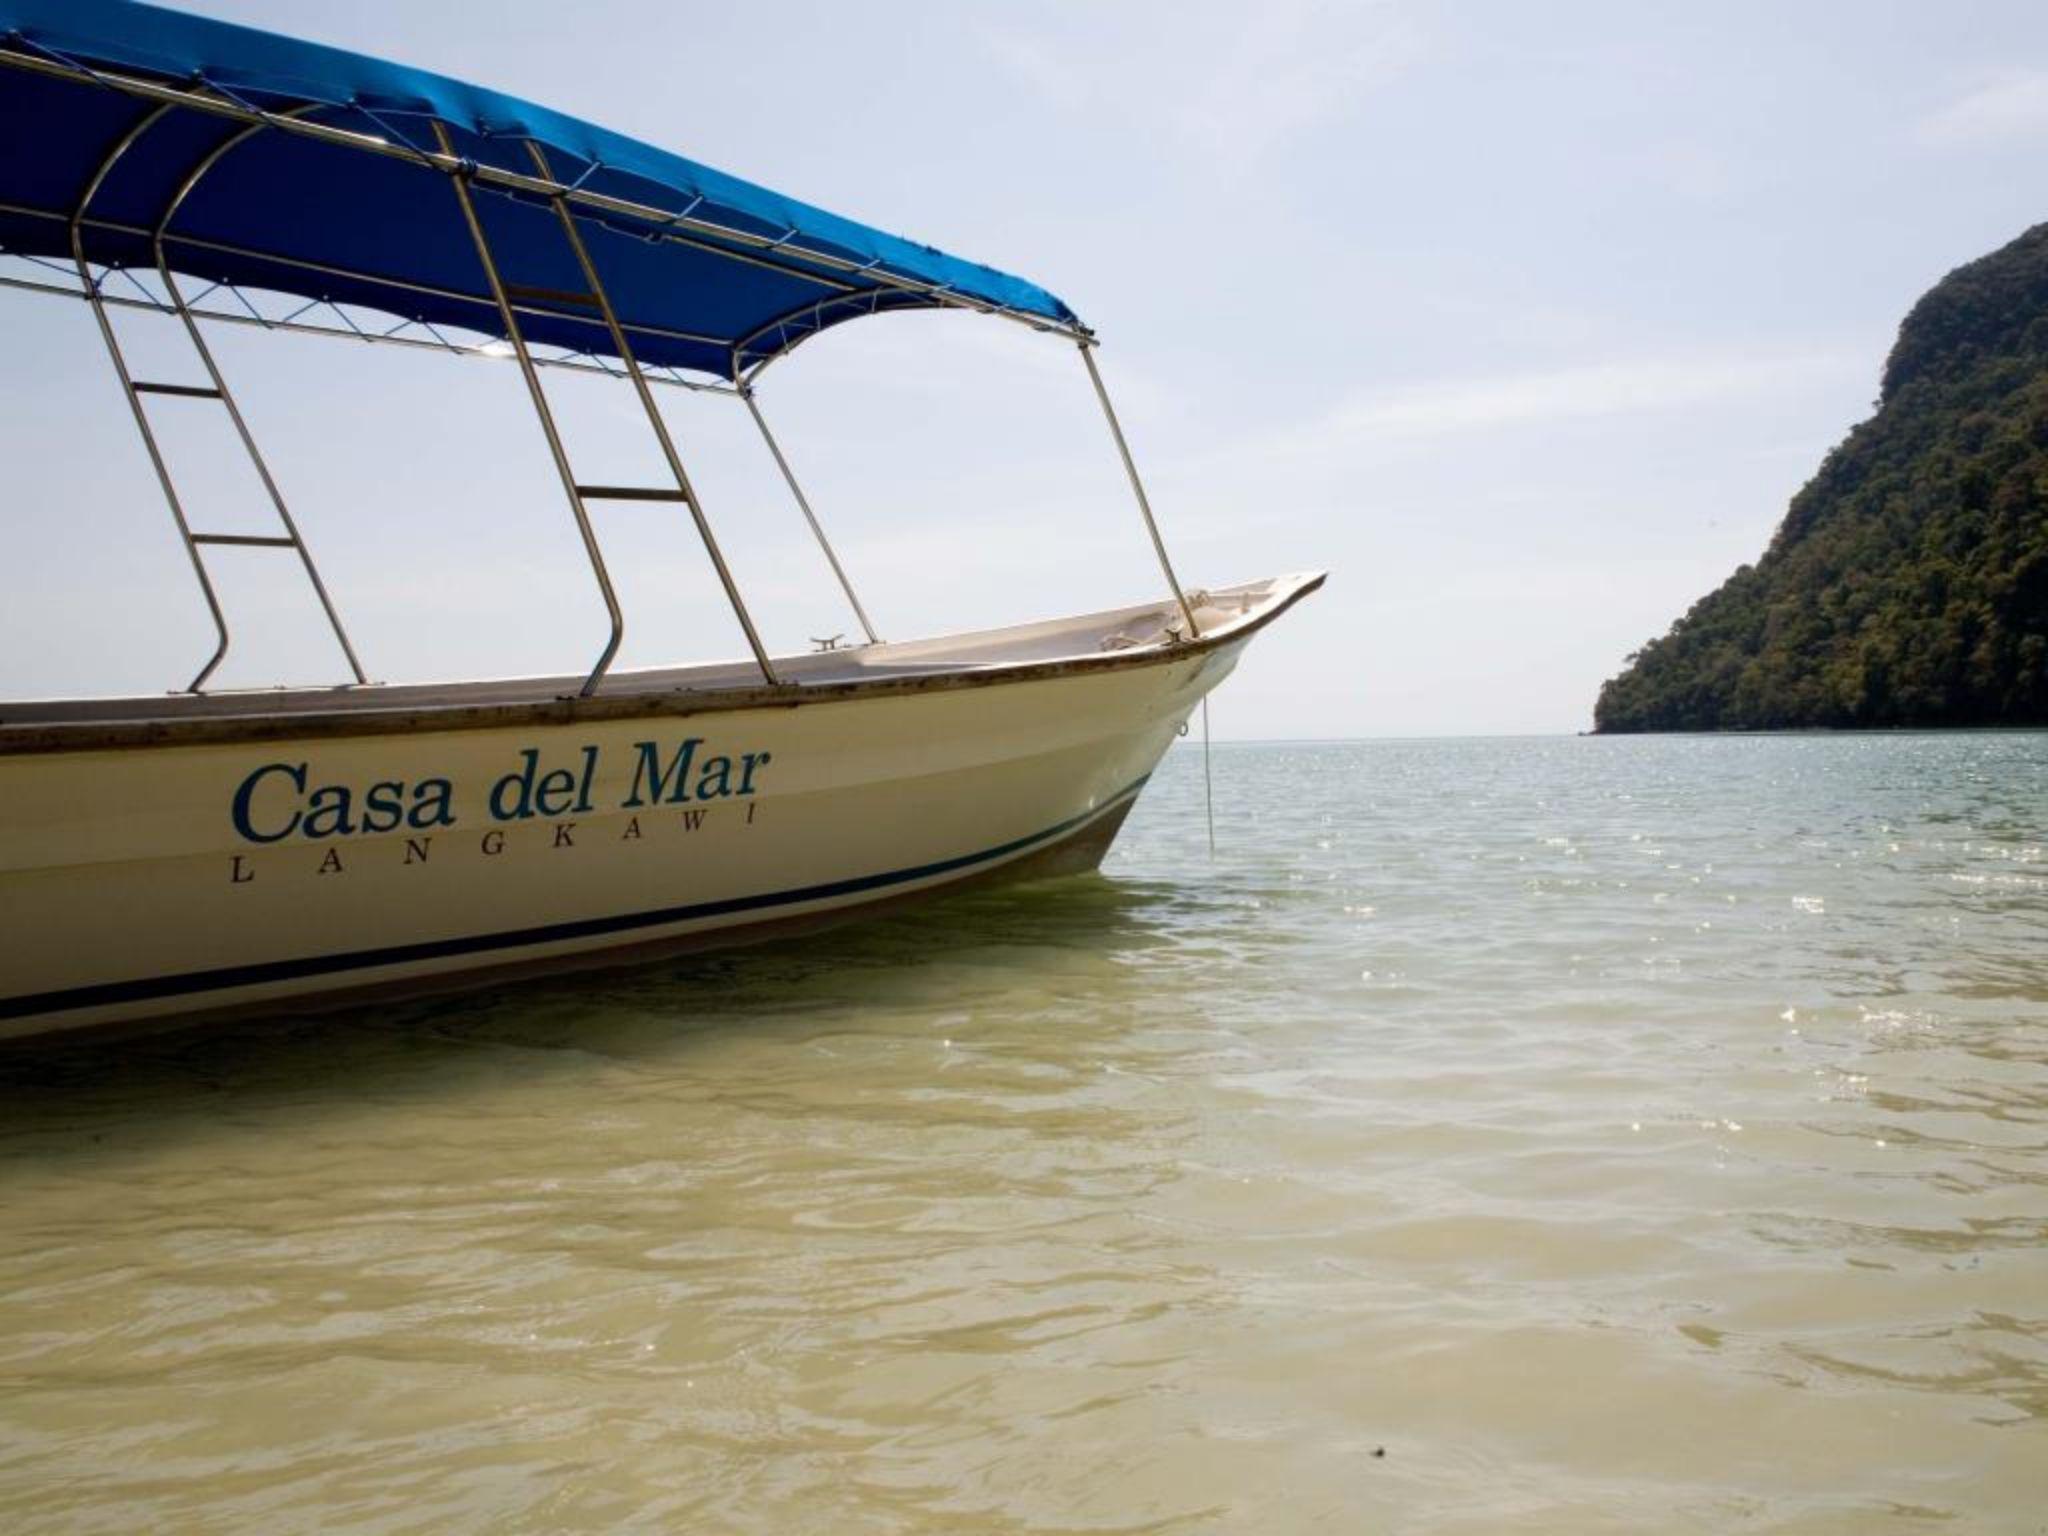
<point>149,442</point>
<point>547,419</point>
<point>1137,485</point>
<point>655,419</point>
<point>803,501</point>
<point>227,398</point>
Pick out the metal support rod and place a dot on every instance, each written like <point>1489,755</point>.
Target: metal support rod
<point>305,328</point>
<point>814,310</point>
<point>654,416</point>
<point>1137,485</point>
<point>149,442</point>
<point>804,502</point>
<point>547,418</point>
<point>227,398</point>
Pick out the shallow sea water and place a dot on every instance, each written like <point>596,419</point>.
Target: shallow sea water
<point>1498,1136</point>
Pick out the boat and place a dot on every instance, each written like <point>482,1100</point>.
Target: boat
<point>209,852</point>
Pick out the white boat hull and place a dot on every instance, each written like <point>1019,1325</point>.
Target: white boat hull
<point>182,876</point>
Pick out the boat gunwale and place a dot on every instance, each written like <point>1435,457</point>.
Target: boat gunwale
<point>36,738</point>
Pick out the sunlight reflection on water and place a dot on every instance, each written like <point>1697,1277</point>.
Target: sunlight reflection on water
<point>1546,1135</point>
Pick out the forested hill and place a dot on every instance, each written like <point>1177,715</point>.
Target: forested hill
<point>1908,584</point>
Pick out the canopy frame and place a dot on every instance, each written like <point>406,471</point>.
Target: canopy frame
<point>1123,449</point>
<point>746,394</point>
<point>134,389</point>
<point>64,284</point>
<point>579,494</point>
<point>849,287</point>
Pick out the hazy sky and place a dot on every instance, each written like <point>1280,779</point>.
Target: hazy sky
<point>1523,321</point>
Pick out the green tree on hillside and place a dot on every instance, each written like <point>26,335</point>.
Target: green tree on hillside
<point>1908,583</point>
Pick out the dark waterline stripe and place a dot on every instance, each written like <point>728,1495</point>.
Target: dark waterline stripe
<point>400,954</point>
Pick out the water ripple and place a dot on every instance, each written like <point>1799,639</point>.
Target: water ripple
<point>1562,1136</point>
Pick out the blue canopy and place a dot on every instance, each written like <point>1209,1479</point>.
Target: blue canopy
<point>706,272</point>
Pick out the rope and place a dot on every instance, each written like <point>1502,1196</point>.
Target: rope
<point>1208,780</point>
